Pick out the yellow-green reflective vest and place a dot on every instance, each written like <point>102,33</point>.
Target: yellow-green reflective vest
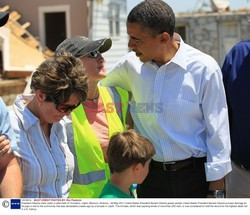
<point>91,172</point>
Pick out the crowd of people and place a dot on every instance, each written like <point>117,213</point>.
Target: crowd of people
<point>76,135</point>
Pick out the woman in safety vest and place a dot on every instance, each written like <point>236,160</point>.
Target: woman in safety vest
<point>95,120</point>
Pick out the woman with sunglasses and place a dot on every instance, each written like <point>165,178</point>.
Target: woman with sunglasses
<point>96,120</point>
<point>58,85</point>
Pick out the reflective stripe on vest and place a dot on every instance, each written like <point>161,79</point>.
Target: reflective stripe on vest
<point>120,98</point>
<point>91,171</point>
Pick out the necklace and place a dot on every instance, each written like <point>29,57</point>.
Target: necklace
<point>94,99</point>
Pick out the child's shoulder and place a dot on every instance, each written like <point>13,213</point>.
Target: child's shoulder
<point>111,191</point>
<point>108,191</point>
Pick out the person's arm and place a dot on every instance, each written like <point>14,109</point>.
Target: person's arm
<point>218,143</point>
<point>10,177</point>
<point>123,71</point>
<point>117,78</point>
<point>6,131</point>
<point>217,185</point>
<point>10,172</point>
<point>226,68</point>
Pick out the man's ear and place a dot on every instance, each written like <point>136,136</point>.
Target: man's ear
<point>165,37</point>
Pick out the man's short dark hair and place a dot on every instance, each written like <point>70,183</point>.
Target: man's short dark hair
<point>156,16</point>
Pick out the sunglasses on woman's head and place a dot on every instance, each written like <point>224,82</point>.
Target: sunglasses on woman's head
<point>61,107</point>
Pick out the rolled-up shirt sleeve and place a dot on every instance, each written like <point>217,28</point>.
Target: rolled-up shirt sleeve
<point>218,136</point>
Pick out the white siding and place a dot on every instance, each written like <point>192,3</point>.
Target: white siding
<point>100,29</point>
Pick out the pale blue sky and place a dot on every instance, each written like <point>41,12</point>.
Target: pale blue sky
<point>191,5</point>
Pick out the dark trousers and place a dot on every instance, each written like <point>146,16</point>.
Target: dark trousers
<point>189,182</point>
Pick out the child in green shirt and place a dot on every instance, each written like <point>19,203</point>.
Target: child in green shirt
<point>129,155</point>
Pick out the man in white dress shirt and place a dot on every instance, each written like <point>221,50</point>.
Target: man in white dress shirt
<point>178,102</point>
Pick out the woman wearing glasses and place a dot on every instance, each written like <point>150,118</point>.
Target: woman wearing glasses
<point>59,85</point>
<point>96,120</point>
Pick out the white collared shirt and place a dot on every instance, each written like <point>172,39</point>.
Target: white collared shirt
<point>180,106</point>
<point>47,170</point>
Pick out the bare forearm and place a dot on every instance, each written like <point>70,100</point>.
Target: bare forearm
<point>10,177</point>
<point>217,185</point>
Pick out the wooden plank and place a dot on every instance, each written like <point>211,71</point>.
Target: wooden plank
<point>32,42</point>
<point>5,8</point>
<point>25,25</point>
<point>14,16</point>
<point>12,86</point>
<point>18,31</point>
<point>16,74</point>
